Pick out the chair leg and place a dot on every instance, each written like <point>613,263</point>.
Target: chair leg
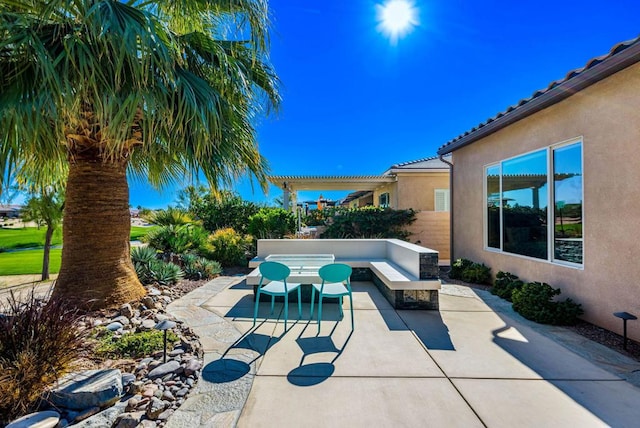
<point>340,306</point>
<point>313,298</point>
<point>299,303</point>
<point>286,310</point>
<point>273,299</point>
<point>319,311</point>
<point>351,307</point>
<point>255,311</point>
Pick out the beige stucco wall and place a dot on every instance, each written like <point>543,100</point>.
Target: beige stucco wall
<point>417,190</point>
<point>607,116</point>
<point>431,230</point>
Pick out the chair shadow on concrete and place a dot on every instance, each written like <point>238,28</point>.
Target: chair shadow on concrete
<point>318,372</point>
<point>228,369</point>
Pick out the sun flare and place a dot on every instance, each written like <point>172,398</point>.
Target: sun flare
<point>396,18</point>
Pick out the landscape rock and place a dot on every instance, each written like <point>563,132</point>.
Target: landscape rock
<point>155,408</point>
<point>122,320</point>
<point>128,379</point>
<point>128,420</point>
<point>114,326</point>
<point>86,413</point>
<point>126,310</point>
<point>148,324</point>
<point>90,388</point>
<point>164,369</point>
<point>146,423</point>
<point>147,301</point>
<point>192,366</point>
<point>47,419</point>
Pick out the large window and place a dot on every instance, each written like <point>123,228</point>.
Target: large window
<point>519,192</point>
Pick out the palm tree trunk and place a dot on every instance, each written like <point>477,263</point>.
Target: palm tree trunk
<point>96,270</point>
<point>47,250</point>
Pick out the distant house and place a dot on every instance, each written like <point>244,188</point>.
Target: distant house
<point>10,211</point>
<point>422,185</point>
<point>548,189</point>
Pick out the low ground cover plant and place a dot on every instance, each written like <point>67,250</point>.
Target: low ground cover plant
<point>38,344</point>
<point>132,345</point>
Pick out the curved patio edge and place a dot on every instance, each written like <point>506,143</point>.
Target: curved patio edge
<point>227,375</point>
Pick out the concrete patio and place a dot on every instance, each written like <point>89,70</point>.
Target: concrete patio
<point>473,363</point>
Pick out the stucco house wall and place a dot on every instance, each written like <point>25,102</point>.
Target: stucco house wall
<point>417,190</point>
<point>607,117</point>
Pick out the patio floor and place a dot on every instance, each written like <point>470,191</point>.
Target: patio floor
<point>473,363</point>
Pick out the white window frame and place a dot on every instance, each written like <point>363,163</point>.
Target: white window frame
<point>550,205</point>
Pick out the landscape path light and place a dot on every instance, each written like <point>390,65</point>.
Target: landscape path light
<point>165,325</point>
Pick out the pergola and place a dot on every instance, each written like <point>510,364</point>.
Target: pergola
<point>291,184</point>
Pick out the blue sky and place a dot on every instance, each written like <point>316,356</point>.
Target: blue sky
<point>354,103</point>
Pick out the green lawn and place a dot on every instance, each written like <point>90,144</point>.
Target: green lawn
<point>33,237</point>
<point>27,237</point>
<point>138,231</point>
<point>28,261</point>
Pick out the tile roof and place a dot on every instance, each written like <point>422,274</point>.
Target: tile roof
<point>425,163</point>
<point>619,57</point>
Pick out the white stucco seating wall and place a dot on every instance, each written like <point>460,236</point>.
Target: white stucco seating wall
<point>394,262</point>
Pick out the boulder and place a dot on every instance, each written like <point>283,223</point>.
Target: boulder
<point>90,388</point>
<point>48,419</point>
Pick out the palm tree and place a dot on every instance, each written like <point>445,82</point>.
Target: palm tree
<point>45,206</point>
<point>110,89</point>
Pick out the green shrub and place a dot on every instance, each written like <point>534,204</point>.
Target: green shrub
<point>458,267</point>
<point>38,344</point>
<point>534,301</point>
<point>169,217</point>
<point>228,247</point>
<point>272,223</point>
<point>368,222</point>
<point>504,285</point>
<point>477,273</point>
<point>197,268</point>
<point>176,239</point>
<point>132,345</point>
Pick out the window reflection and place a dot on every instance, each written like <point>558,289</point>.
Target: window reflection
<point>524,205</point>
<point>567,177</point>
<point>493,206</point>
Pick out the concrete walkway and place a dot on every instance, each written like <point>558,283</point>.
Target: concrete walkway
<point>473,363</point>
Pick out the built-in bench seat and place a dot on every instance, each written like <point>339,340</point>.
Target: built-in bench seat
<point>405,273</point>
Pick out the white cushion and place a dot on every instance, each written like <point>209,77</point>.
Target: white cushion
<point>333,289</point>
